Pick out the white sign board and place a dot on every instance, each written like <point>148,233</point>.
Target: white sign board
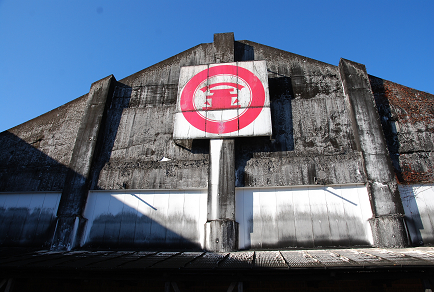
<point>223,100</point>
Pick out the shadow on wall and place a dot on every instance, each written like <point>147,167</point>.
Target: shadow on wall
<point>127,227</point>
<point>28,219</point>
<point>387,122</point>
<point>26,226</point>
<point>243,52</point>
<point>417,213</point>
<point>410,200</point>
<point>129,230</point>
<point>120,101</point>
<point>24,168</point>
<point>281,94</point>
<point>146,220</point>
<point>308,217</point>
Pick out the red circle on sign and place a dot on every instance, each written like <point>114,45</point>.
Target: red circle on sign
<point>226,126</point>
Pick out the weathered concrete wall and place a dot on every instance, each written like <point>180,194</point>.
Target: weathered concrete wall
<point>54,153</point>
<point>311,130</point>
<point>35,155</point>
<point>387,224</point>
<point>322,135</point>
<point>141,152</point>
<point>313,141</point>
<point>137,150</point>
<point>288,168</point>
<point>407,117</point>
<point>78,179</point>
<point>309,116</point>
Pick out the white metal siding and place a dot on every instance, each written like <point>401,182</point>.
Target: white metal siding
<point>146,218</point>
<point>27,219</point>
<point>418,202</point>
<point>267,217</point>
<point>303,217</point>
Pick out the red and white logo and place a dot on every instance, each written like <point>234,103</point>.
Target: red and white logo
<point>227,97</point>
<point>223,100</point>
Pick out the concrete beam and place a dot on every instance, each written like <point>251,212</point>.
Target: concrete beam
<point>221,181</point>
<point>77,182</point>
<point>388,225</point>
<point>224,47</point>
<point>221,235</point>
<point>221,230</point>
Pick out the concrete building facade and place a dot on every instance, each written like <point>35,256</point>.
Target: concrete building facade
<point>349,164</point>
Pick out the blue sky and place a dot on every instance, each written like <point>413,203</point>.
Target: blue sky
<point>52,51</point>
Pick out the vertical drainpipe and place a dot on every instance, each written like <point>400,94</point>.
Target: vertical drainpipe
<point>387,224</point>
<point>221,230</point>
<point>76,188</point>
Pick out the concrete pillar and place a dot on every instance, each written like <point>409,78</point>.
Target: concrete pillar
<point>221,230</point>
<point>224,47</point>
<point>74,194</point>
<point>388,225</point>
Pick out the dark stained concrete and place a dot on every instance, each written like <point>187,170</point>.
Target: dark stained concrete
<point>221,229</point>
<point>407,118</point>
<point>77,182</point>
<point>388,224</point>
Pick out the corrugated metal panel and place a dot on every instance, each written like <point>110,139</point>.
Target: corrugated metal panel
<point>329,258</point>
<point>83,260</point>
<point>113,260</point>
<point>129,261</point>
<point>46,259</point>
<point>372,258</point>
<point>238,260</point>
<point>267,217</point>
<point>207,261</point>
<point>270,259</point>
<point>301,259</point>
<point>177,261</point>
<point>396,258</point>
<point>420,254</point>
<point>362,258</point>
<point>148,260</point>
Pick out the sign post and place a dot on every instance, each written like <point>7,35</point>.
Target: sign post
<point>220,102</point>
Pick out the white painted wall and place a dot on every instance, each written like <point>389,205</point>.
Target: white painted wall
<point>27,218</point>
<point>146,218</point>
<point>303,217</point>
<point>267,217</point>
<point>418,202</point>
